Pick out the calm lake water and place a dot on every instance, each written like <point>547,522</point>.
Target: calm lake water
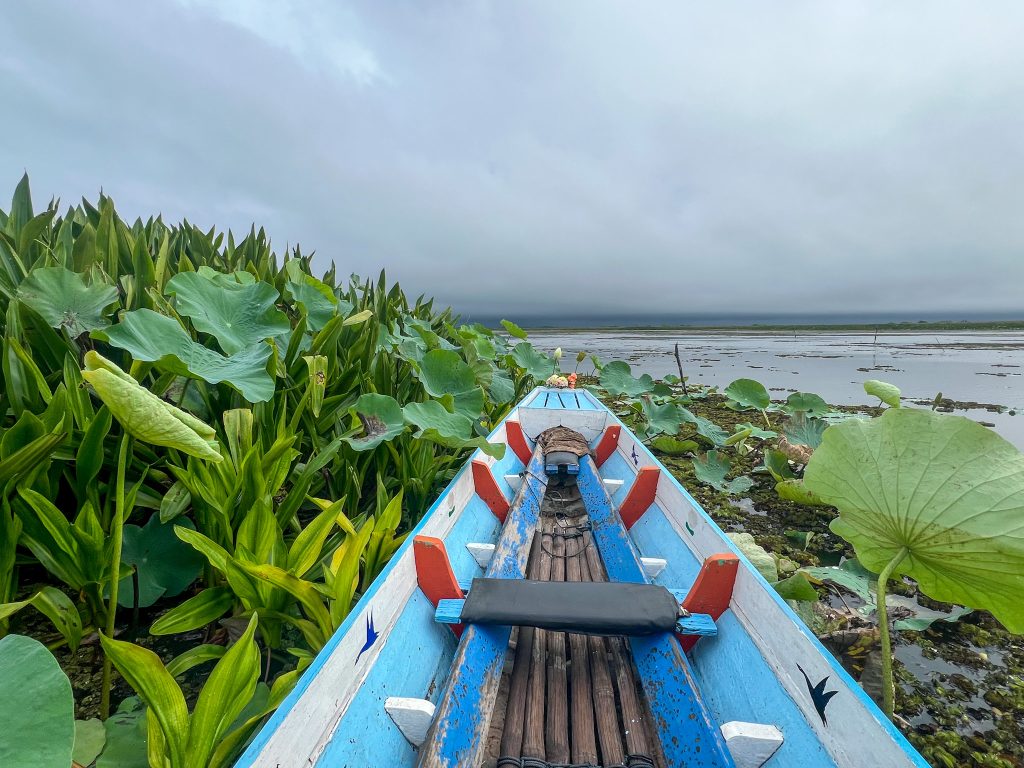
<point>970,367</point>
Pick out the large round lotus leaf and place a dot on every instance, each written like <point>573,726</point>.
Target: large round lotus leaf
<point>806,402</point>
<point>748,393</point>
<point>535,363</point>
<point>37,709</point>
<point>166,565</point>
<point>617,379</point>
<point>452,430</point>
<point>944,488</point>
<point>382,420</point>
<point>513,330</point>
<point>444,372</point>
<point>152,337</point>
<point>705,427</point>
<point>239,315</point>
<point>662,419</point>
<point>802,430</point>
<point>62,299</point>
<point>711,469</point>
<point>316,296</point>
<point>887,393</point>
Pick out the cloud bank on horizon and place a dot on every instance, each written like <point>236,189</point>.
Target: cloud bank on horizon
<point>534,157</point>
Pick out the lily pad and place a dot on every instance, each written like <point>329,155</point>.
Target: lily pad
<point>64,300</point>
<point>887,393</point>
<point>705,427</point>
<point>238,314</point>
<point>802,430</point>
<point>942,491</point>
<point>672,446</point>
<point>37,709</point>
<point>617,379</point>
<point>149,336</point>
<point>166,565</point>
<point>662,419</point>
<point>711,469</point>
<point>748,393</point>
<point>382,420</point>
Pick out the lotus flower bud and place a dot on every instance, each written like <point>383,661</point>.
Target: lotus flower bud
<point>558,354</point>
<point>144,415</point>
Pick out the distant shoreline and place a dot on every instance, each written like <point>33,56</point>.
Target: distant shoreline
<point>901,327</point>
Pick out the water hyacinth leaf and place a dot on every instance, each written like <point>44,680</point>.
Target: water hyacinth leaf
<point>513,330</point>
<point>748,393</point>
<point>942,490</point>
<point>155,338</point>
<point>672,446</point>
<point>792,489</point>
<point>806,402</point>
<point>65,300</point>
<point>536,364</point>
<point>802,430</point>
<point>444,372</point>
<point>37,709</point>
<point>381,418</point>
<point>146,416</point>
<point>165,564</point>
<point>239,314</point>
<point>758,556</point>
<point>711,469</point>
<point>887,393</point>
<point>617,379</point>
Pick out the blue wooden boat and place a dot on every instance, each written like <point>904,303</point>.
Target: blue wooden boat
<point>419,676</point>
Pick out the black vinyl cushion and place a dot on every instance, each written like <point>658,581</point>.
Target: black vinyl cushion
<point>589,608</point>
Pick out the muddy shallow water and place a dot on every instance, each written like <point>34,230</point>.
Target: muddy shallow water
<point>971,368</point>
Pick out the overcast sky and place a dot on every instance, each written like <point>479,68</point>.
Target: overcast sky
<point>534,157</point>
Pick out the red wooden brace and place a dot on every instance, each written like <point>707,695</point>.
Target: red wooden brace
<point>640,496</point>
<point>517,441</point>
<point>434,573</point>
<point>488,490</point>
<point>609,442</point>
<point>712,590</point>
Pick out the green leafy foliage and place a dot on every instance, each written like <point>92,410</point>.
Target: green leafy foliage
<point>748,393</point>
<point>807,403</point>
<point>37,709</point>
<point>942,491</point>
<point>887,393</point>
<point>802,430</point>
<point>164,564</point>
<point>65,300</point>
<point>617,379</point>
<point>711,469</point>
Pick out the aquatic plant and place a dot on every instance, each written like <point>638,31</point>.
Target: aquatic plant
<point>932,496</point>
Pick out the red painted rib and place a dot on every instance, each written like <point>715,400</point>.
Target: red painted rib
<point>517,441</point>
<point>712,590</point>
<point>609,442</point>
<point>434,573</point>
<point>640,496</point>
<point>488,490</point>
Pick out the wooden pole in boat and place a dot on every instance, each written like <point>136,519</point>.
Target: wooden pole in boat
<point>556,735</point>
<point>582,694</point>
<point>632,717</point>
<point>533,729</point>
<point>515,709</point>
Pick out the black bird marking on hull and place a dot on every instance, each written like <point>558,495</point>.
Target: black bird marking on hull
<point>819,696</point>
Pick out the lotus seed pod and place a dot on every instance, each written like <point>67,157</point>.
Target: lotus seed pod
<point>144,415</point>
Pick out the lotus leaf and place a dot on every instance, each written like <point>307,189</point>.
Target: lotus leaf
<point>165,564</point>
<point>792,489</point>
<point>536,364</point>
<point>806,402</point>
<point>711,469</point>
<point>802,430</point>
<point>513,330</point>
<point>705,427</point>
<point>64,300</point>
<point>672,446</point>
<point>617,379</point>
<point>315,296</point>
<point>850,575</point>
<point>126,737</point>
<point>382,420</point>
<point>90,736</point>
<point>153,337</point>
<point>238,314</point>
<point>747,393</point>
<point>37,709</point>
<point>777,464</point>
<point>941,492</point>
<point>444,372</point>
<point>755,431</point>
<point>796,587</point>
<point>453,430</point>
<point>662,419</point>
<point>887,393</point>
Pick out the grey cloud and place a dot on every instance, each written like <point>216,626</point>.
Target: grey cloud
<point>536,157</point>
